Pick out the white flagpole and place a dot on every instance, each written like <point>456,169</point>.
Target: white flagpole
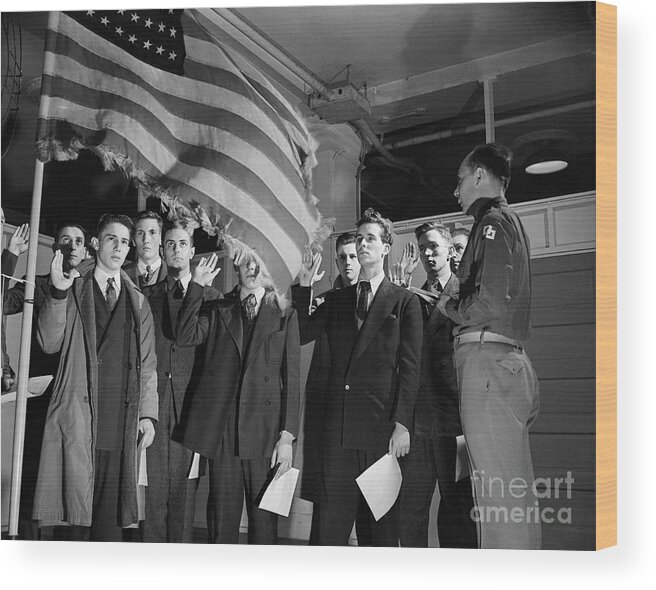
<point>26,330</point>
<point>24,358</point>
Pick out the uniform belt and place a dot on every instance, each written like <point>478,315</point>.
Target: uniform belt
<point>482,337</point>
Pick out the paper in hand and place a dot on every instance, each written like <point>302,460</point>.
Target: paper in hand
<point>380,485</point>
<point>279,494</point>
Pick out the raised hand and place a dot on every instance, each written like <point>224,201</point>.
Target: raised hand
<point>19,241</point>
<point>205,271</point>
<point>409,260</point>
<point>309,273</point>
<point>59,279</point>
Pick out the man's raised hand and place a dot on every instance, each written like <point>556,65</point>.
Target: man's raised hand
<point>309,273</point>
<point>206,271</point>
<point>59,279</point>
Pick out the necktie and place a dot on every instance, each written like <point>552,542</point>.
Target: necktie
<point>436,286</point>
<point>363,300</point>
<point>178,291</point>
<point>110,293</point>
<point>149,275</point>
<point>249,304</point>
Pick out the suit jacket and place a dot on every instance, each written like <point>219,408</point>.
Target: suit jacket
<point>132,270</point>
<point>175,363</point>
<point>374,372</point>
<point>266,381</point>
<point>437,411</point>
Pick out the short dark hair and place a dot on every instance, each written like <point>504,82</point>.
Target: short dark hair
<point>344,239</point>
<point>494,158</point>
<point>168,226</point>
<point>108,218</point>
<point>460,231</point>
<point>59,228</point>
<point>149,215</point>
<point>434,225</point>
<point>372,216</point>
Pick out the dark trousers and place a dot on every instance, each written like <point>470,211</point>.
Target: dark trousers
<point>341,499</point>
<point>432,460</point>
<point>104,519</point>
<point>231,480</point>
<point>170,495</point>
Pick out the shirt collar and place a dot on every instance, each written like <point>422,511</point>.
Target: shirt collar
<point>153,267</point>
<point>481,206</point>
<point>259,293</point>
<point>374,282</point>
<point>184,281</point>
<point>101,278</point>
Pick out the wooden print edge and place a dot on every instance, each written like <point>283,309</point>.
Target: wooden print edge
<point>606,270</point>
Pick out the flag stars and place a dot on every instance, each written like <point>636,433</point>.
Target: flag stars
<point>91,12</point>
<point>170,11</point>
<point>121,12</point>
<point>135,17</point>
<point>159,50</point>
<point>148,23</point>
<point>173,31</point>
<point>104,20</point>
<point>147,45</point>
<point>132,39</point>
<point>161,27</point>
<point>172,56</point>
<point>119,31</point>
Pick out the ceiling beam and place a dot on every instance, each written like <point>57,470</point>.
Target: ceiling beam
<point>484,68</point>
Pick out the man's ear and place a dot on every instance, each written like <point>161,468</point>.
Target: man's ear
<point>94,243</point>
<point>452,252</point>
<point>386,249</point>
<point>192,250</point>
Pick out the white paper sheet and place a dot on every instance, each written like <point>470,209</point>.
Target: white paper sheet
<point>143,469</point>
<point>462,459</point>
<point>195,467</point>
<point>35,387</point>
<point>380,484</point>
<point>278,496</point>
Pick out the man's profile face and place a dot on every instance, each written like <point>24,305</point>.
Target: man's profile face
<point>147,238</point>
<point>369,244</point>
<point>178,250</point>
<point>459,245</point>
<point>465,190</point>
<point>249,275</point>
<point>113,247</point>
<point>434,252</point>
<point>347,263</point>
<point>71,244</point>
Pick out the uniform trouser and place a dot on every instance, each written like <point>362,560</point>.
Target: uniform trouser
<point>499,400</point>
<point>432,460</point>
<point>170,494</point>
<point>231,480</point>
<point>341,499</point>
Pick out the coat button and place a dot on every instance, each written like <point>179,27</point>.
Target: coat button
<point>172,348</point>
<point>129,365</point>
<point>85,399</point>
<point>267,402</point>
<point>266,378</point>
<point>100,361</point>
<point>347,387</point>
<point>168,375</point>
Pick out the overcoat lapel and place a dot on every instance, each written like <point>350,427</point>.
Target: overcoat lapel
<point>265,323</point>
<point>83,293</point>
<point>231,316</point>
<point>380,309</point>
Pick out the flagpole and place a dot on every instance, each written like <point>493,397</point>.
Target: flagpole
<point>24,358</point>
<point>26,328</point>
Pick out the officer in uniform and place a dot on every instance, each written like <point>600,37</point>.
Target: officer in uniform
<point>498,388</point>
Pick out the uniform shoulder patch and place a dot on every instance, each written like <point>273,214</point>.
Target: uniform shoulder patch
<point>489,231</point>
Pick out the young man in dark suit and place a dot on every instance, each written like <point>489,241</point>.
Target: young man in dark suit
<point>374,336</point>
<point>171,493</point>
<point>243,412</point>
<point>436,424</point>
<point>105,392</point>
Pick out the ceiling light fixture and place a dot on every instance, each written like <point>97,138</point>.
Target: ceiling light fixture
<point>545,161</point>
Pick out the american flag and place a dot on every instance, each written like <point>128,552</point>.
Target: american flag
<point>151,91</point>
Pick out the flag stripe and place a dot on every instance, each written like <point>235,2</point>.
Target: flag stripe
<point>200,91</point>
<point>207,183</point>
<point>259,173</point>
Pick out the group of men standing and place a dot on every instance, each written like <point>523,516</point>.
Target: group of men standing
<point>151,356</point>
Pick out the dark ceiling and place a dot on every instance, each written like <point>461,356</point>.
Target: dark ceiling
<point>423,67</point>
